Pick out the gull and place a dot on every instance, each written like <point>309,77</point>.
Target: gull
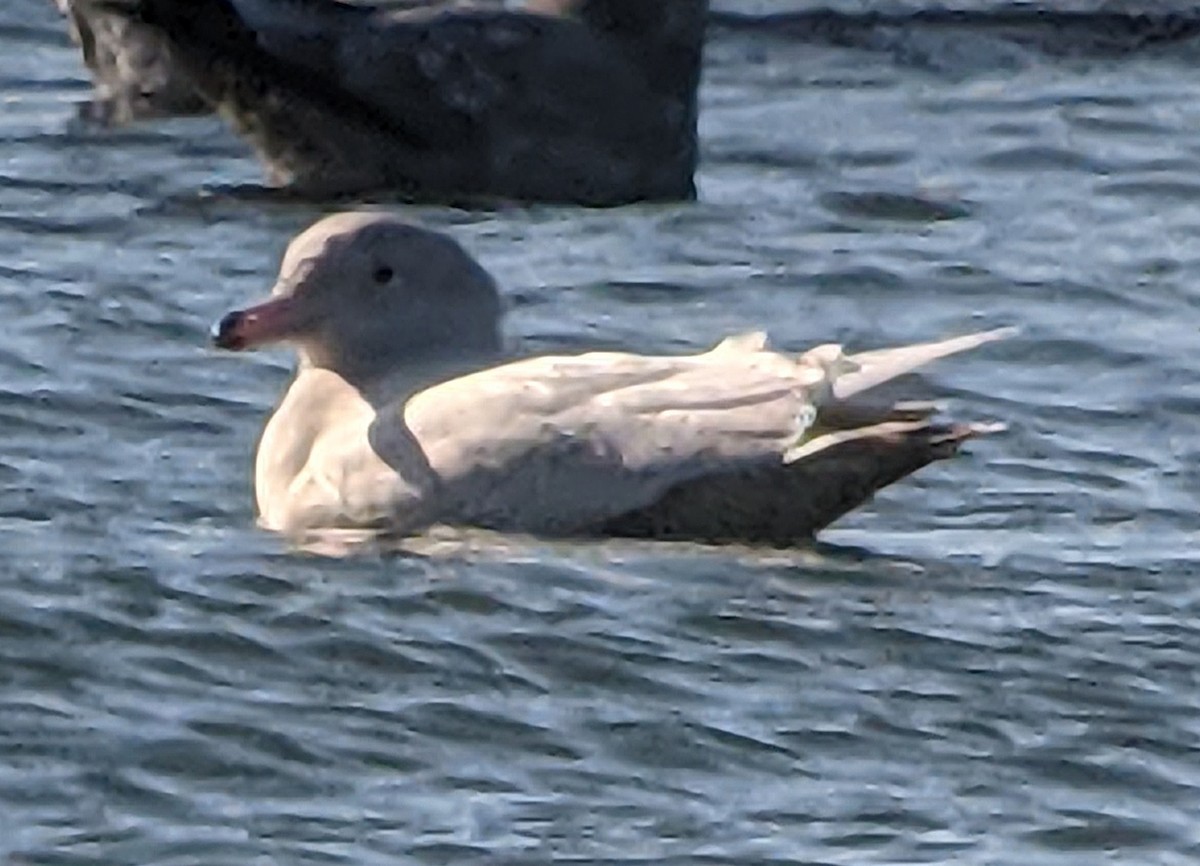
<point>589,102</point>
<point>404,412</point>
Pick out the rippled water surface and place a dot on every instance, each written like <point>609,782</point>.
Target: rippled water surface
<point>993,663</point>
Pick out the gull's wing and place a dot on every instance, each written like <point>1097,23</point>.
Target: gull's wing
<point>557,443</point>
<point>560,444</point>
<point>877,367</point>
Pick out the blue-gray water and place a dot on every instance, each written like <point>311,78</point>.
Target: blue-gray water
<point>994,663</point>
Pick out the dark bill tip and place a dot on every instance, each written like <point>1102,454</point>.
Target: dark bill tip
<point>227,332</point>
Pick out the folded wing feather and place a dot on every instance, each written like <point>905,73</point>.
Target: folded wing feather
<point>559,442</point>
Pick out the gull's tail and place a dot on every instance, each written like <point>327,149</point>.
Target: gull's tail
<point>851,450</point>
<point>838,420</point>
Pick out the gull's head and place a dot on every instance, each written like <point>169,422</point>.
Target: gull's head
<point>363,291</point>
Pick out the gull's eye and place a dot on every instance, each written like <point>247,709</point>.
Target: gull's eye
<point>383,274</point>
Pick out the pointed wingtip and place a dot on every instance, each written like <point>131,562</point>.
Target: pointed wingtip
<point>1000,333</point>
<point>880,365</point>
<point>965,342</point>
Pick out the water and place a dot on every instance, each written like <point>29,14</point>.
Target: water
<point>993,663</point>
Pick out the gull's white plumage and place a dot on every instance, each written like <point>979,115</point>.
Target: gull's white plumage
<point>387,431</point>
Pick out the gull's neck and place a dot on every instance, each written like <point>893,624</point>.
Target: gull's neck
<point>382,382</point>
